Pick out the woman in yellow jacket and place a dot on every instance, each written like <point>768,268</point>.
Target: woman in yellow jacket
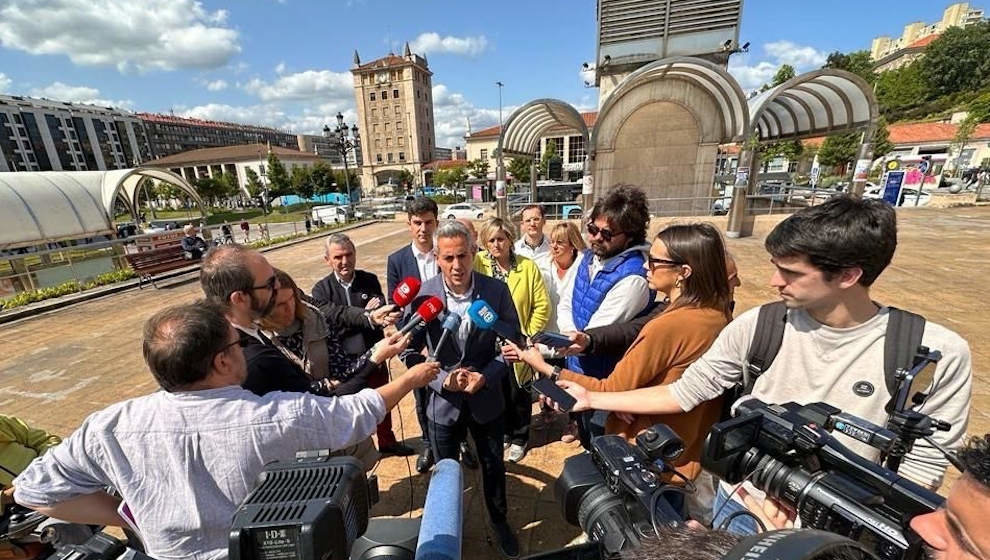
<point>529,294</point>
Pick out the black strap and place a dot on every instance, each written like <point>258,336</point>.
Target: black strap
<point>766,343</point>
<point>901,341</point>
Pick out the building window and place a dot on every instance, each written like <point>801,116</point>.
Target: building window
<point>378,157</point>
<point>398,111</point>
<point>484,155</point>
<point>384,94</point>
<point>402,156</point>
<point>401,141</point>
<point>386,128</point>
<point>374,128</point>
<point>398,126</point>
<point>417,94</point>
<point>372,95</point>
<point>390,157</point>
<point>374,113</point>
<point>575,149</point>
<point>395,94</point>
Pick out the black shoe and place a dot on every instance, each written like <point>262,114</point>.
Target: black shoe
<point>467,457</point>
<point>425,460</point>
<point>398,450</point>
<point>505,540</point>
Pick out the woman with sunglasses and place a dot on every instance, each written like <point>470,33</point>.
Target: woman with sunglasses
<point>687,264</point>
<point>529,295</point>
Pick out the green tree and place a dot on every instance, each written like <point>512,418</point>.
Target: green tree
<point>227,185</point>
<point>322,176</point>
<point>979,108</point>
<point>302,182</point>
<point>958,61</point>
<point>208,188</point>
<point>279,182</point>
<point>784,73</point>
<point>478,168</point>
<point>839,149</point>
<point>881,139</point>
<point>901,89</point>
<point>549,154</point>
<point>343,179</point>
<point>857,62</point>
<point>519,168</point>
<point>791,150</point>
<point>253,185</point>
<point>406,178</point>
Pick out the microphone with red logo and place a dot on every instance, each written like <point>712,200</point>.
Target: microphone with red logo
<point>425,313</point>
<point>404,293</point>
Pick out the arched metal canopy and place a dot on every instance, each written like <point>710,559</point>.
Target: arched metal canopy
<point>525,126</point>
<point>812,104</point>
<point>721,86</point>
<point>42,206</point>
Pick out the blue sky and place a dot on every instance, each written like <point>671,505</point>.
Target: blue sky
<point>285,63</point>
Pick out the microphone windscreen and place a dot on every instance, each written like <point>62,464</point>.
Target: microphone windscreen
<point>441,531</point>
<point>482,314</point>
<point>430,308</point>
<point>406,291</point>
<point>451,322</point>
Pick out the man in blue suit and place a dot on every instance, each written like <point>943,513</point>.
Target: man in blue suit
<point>416,260</point>
<point>470,398</point>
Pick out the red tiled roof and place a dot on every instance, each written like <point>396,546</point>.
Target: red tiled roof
<point>589,121</point>
<point>446,164</point>
<point>243,152</point>
<point>923,42</point>
<point>385,62</point>
<point>918,133</point>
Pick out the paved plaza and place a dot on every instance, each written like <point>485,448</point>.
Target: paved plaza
<point>58,367</point>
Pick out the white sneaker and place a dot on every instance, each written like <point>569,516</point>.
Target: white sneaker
<point>516,453</point>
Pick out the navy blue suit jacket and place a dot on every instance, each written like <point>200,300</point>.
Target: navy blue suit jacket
<point>400,265</point>
<point>480,353</point>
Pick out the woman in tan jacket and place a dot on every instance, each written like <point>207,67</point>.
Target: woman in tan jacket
<point>687,264</point>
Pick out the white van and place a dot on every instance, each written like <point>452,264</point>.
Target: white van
<point>330,214</point>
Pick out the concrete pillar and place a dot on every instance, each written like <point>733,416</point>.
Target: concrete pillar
<point>740,221</point>
<point>864,157</point>
<point>502,207</point>
<point>587,186</point>
<point>533,170</point>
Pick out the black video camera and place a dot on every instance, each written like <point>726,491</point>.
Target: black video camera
<point>614,493</point>
<point>787,451</point>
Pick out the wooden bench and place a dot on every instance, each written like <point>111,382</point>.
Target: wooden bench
<point>155,261</point>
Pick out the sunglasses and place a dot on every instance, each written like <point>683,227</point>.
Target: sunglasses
<point>606,234</point>
<point>269,285</point>
<point>656,263</point>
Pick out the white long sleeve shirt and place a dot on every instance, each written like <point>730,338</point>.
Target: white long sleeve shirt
<point>623,302</point>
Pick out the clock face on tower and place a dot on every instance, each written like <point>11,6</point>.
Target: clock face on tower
<point>381,77</point>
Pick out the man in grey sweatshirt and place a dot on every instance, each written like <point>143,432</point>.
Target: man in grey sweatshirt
<point>826,259</point>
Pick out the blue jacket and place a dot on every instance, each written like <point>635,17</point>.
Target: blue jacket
<point>587,298</point>
<point>480,354</point>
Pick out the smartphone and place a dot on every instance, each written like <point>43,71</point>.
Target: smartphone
<point>550,390</point>
<point>552,339</point>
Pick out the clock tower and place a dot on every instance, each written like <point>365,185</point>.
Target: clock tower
<point>394,98</point>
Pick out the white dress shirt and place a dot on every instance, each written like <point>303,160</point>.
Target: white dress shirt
<point>623,302</point>
<point>530,252</point>
<point>556,286</point>
<point>427,263</point>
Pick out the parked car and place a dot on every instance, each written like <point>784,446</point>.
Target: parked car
<point>330,214</point>
<point>464,210</point>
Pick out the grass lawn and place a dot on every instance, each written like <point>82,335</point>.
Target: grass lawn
<point>253,215</point>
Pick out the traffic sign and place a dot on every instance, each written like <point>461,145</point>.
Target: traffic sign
<point>893,165</point>
<point>924,165</point>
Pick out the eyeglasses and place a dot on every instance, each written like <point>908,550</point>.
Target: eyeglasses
<point>269,285</point>
<point>655,262</point>
<point>241,341</point>
<point>606,234</point>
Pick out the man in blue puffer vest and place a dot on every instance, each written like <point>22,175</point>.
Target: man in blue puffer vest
<point>610,286</point>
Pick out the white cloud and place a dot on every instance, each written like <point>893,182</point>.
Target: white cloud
<point>280,68</point>
<point>57,91</point>
<point>433,43</point>
<point>4,82</point>
<point>217,85</point>
<point>800,57</point>
<point>309,84</point>
<point>752,76</point>
<point>137,35</point>
<point>451,112</point>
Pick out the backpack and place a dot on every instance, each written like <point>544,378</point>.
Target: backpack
<point>901,342</point>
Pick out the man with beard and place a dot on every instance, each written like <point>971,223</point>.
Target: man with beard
<point>610,286</point>
<point>243,284</point>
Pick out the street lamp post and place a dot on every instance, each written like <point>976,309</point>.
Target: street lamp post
<point>338,138</point>
<point>501,204</point>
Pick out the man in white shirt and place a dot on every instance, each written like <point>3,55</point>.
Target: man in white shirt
<point>534,242</point>
<point>183,458</point>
